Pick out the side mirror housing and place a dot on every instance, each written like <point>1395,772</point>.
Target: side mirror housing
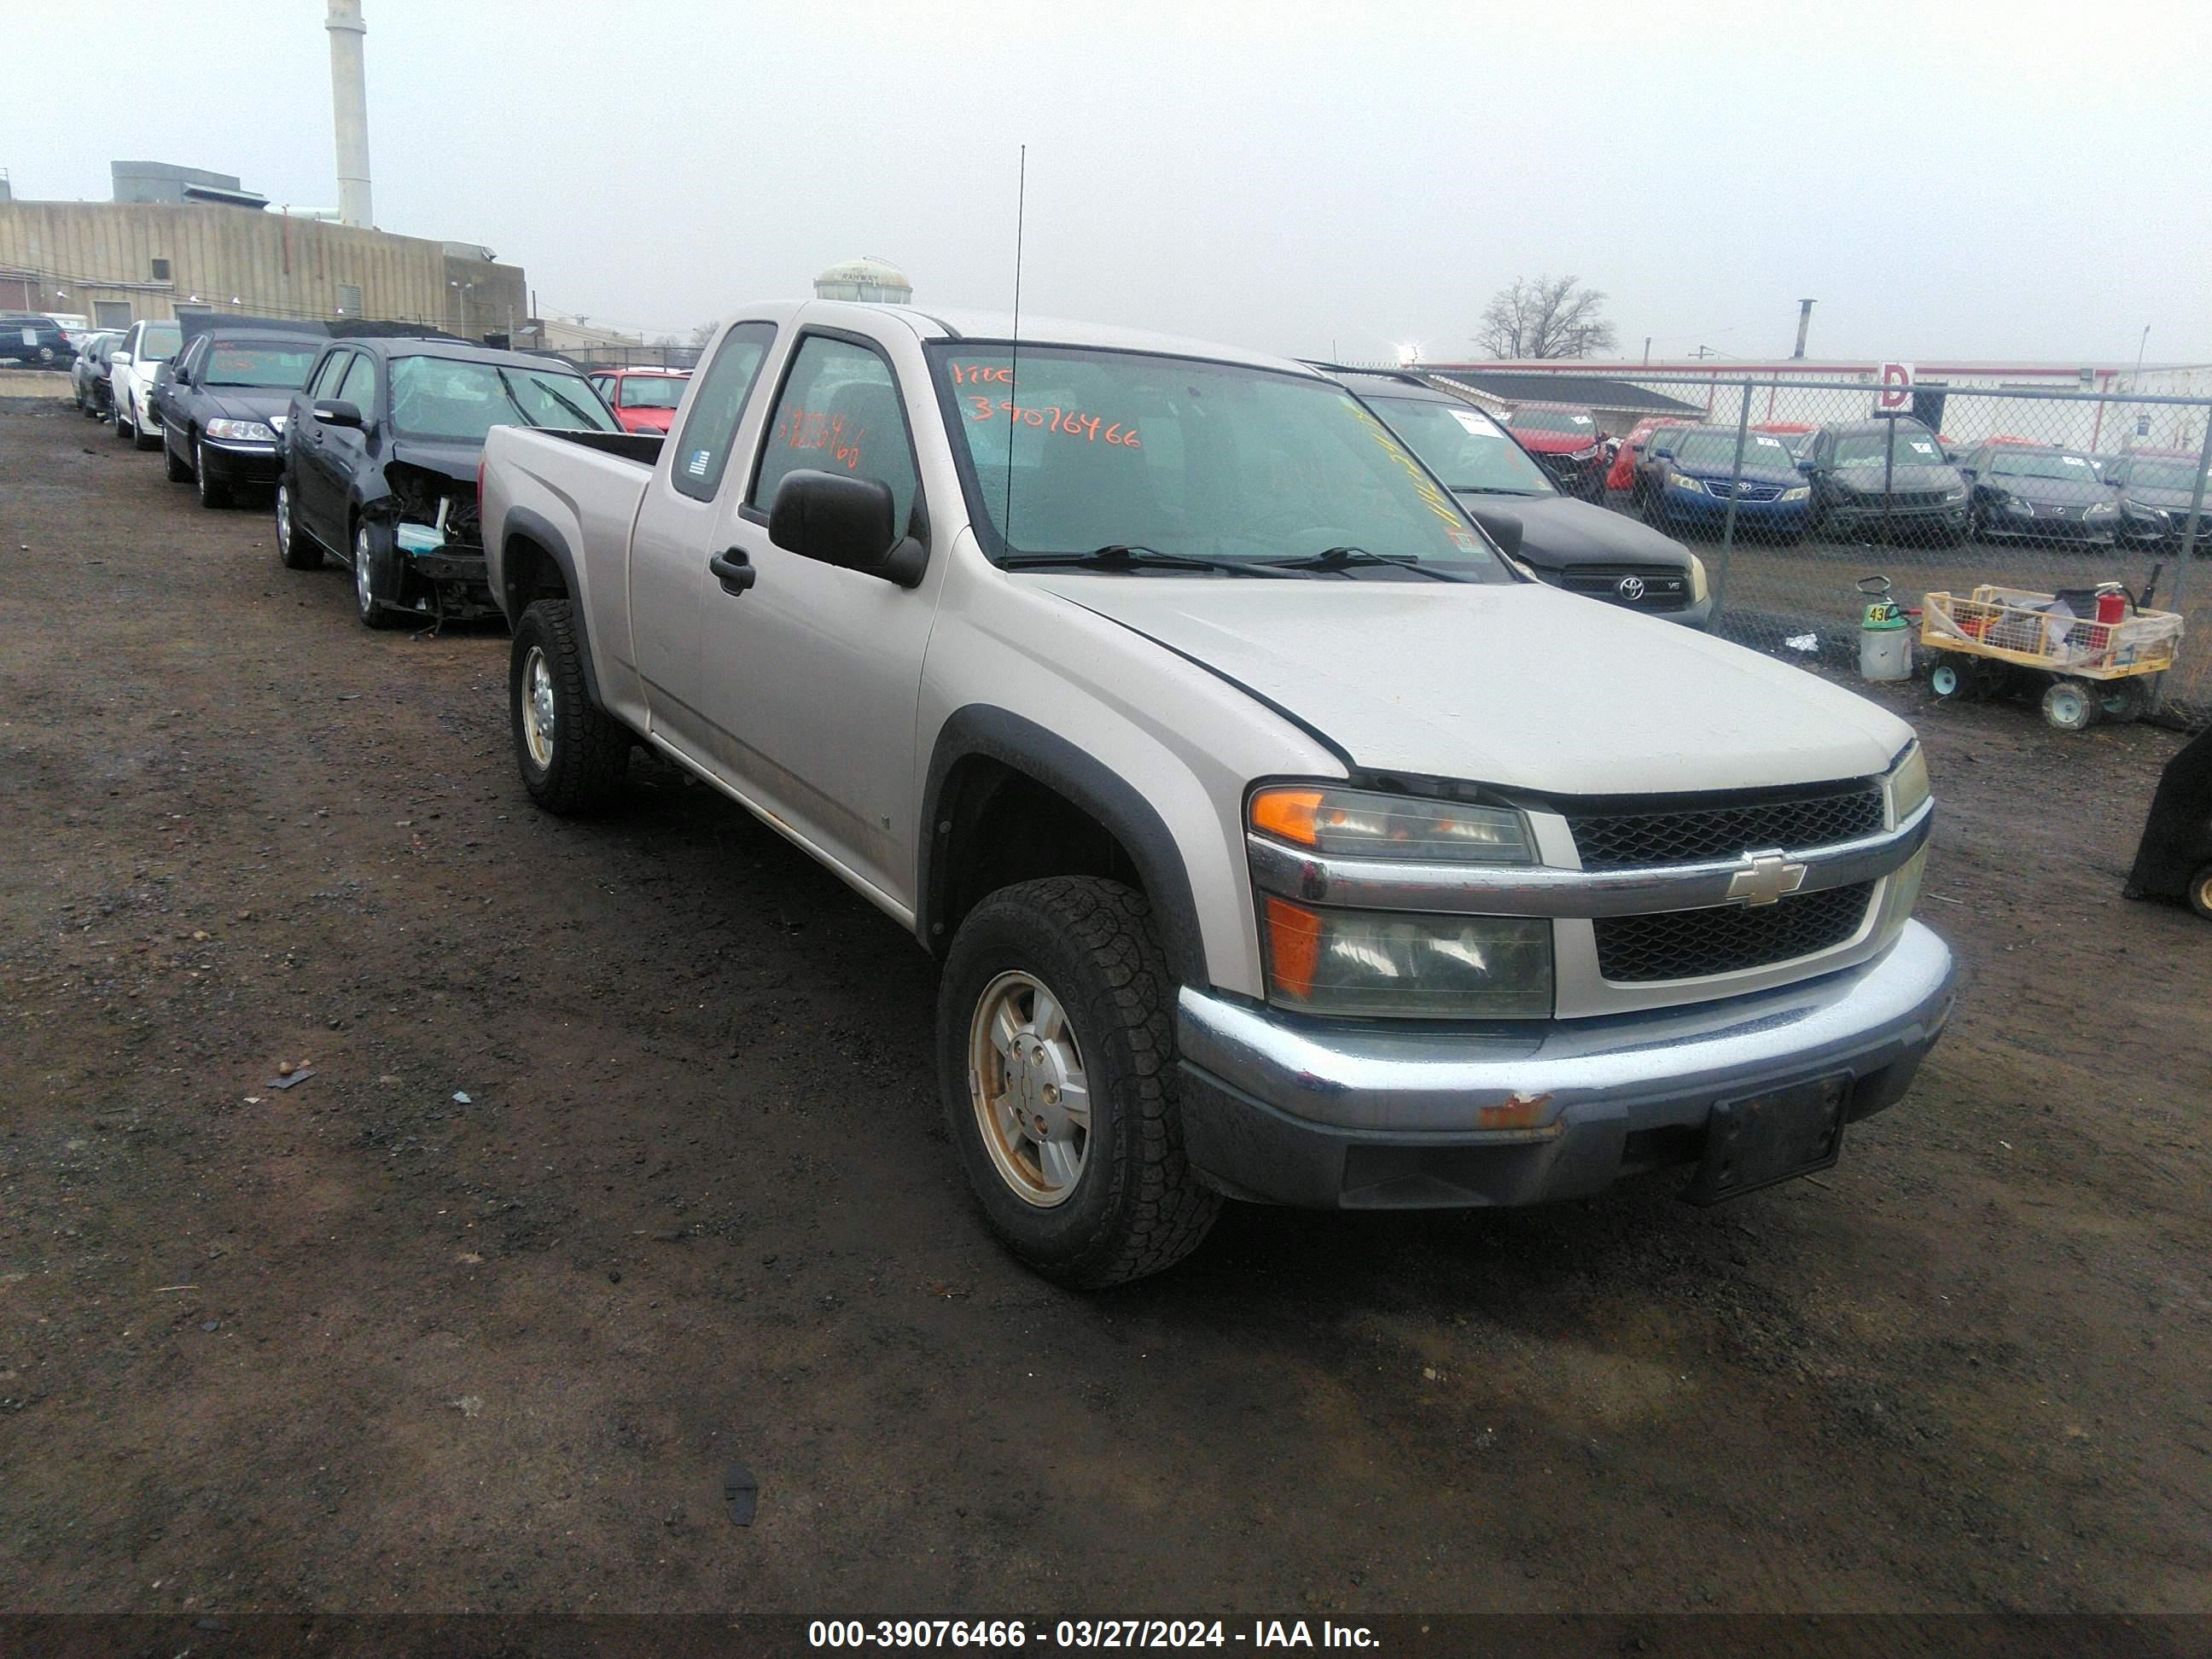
<point>1662,454</point>
<point>121,357</point>
<point>844,521</point>
<point>331,412</point>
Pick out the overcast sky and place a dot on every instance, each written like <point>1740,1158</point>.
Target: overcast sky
<point>2011,180</point>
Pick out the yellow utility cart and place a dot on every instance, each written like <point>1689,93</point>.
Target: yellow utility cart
<point>2097,657</point>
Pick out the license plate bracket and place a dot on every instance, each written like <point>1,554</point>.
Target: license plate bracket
<point>1764,1139</point>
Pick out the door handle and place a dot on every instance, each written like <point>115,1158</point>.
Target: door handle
<point>733,570</point>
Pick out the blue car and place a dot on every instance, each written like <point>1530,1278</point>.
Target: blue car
<point>1693,466</point>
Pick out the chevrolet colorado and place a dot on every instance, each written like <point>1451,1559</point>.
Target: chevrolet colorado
<point>1279,837</point>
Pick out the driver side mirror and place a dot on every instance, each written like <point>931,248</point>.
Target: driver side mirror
<point>1504,528</point>
<point>330,412</point>
<point>846,522</point>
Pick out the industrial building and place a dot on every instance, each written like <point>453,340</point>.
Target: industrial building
<point>178,238</point>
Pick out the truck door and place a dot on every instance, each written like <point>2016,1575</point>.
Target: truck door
<point>812,675</point>
<point>671,593</point>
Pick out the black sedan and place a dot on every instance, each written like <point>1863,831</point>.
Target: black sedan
<point>1574,544</point>
<point>2038,492</point>
<point>222,402</point>
<point>379,466</point>
<point>33,341</point>
<point>1885,478</point>
<point>2157,488</point>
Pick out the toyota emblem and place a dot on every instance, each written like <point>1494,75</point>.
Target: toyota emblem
<point>1631,589</point>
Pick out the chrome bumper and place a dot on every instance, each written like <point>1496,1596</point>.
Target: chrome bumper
<point>1363,1115</point>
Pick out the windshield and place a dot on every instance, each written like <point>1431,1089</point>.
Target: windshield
<point>1193,458</point>
<point>1762,451</point>
<point>446,398</point>
<point>1914,445</point>
<point>2043,464</point>
<point>2177,476</point>
<point>279,368</point>
<point>651,391</point>
<point>1553,420</point>
<point>1464,447</point>
<point>159,342</point>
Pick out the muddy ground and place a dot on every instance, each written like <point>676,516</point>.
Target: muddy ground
<point>366,1345</point>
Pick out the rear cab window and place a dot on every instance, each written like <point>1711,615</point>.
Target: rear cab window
<point>701,456</point>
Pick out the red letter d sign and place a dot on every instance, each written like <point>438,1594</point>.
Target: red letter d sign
<point>1895,397</point>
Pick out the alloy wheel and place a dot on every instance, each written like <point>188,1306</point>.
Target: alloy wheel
<point>1027,1084</point>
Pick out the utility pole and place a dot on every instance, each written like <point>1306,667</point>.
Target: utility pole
<point>2135,382</point>
<point>1804,322</point>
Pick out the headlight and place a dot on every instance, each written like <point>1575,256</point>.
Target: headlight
<point>1363,824</point>
<point>1908,785</point>
<point>1697,580</point>
<point>1585,454</point>
<point>2014,504</point>
<point>2100,510</point>
<point>1798,494</point>
<point>1684,481</point>
<point>241,431</point>
<point>1372,962</point>
<point>1957,494</point>
<point>278,421</point>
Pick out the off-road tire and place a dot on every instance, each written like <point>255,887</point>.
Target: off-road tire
<point>2072,704</point>
<point>2124,699</point>
<point>1138,1207</point>
<point>177,472</point>
<point>295,549</point>
<point>590,749</point>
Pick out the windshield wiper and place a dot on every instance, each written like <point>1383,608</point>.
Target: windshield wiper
<point>1489,489</point>
<point>1344,558</point>
<point>1129,555</point>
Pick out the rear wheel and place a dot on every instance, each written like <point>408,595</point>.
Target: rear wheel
<point>295,549</point>
<point>2124,700</point>
<point>1055,1042</point>
<point>571,753</point>
<point>2072,704</point>
<point>124,430</point>
<point>2200,892</point>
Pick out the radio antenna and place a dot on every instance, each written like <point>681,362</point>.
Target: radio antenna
<point>1014,346</point>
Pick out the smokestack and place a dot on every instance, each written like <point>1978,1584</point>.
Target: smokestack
<point>1804,308</point>
<point>349,110</point>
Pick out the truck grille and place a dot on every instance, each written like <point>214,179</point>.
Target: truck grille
<point>1729,939</point>
<point>1617,841</point>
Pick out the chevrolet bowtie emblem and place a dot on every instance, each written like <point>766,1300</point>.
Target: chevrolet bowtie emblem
<point>1764,877</point>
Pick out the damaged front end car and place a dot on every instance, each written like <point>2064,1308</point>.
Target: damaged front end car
<point>437,547</point>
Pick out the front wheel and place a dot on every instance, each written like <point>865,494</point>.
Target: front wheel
<point>2072,704</point>
<point>571,753</point>
<point>1055,1042</point>
<point>212,490</point>
<point>178,471</point>
<point>370,582</point>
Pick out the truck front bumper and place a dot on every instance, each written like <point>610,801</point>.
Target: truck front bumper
<point>1361,1116</point>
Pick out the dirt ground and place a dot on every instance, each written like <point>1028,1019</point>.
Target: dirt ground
<point>621,1162</point>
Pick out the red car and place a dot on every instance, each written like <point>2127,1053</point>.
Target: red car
<point>1566,442</point>
<point>643,399</point>
<point>1623,475</point>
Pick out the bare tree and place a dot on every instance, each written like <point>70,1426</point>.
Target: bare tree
<point>1550,317</point>
<point>703,333</point>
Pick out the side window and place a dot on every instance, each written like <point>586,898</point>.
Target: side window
<point>359,386</point>
<point>703,452</point>
<point>839,412</point>
<point>605,386</point>
<point>324,385</point>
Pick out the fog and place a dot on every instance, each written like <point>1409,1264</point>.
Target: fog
<point>2014,181</point>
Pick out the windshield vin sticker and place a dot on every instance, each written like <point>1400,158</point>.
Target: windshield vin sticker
<point>1053,418</point>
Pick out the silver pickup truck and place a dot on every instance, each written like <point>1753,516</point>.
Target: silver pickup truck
<point>1279,838</point>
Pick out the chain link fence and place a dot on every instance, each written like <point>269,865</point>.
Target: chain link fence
<point>1794,491</point>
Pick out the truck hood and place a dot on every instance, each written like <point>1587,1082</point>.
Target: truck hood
<point>1522,686</point>
<point>1559,533</point>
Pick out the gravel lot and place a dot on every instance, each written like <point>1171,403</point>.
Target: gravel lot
<point>365,1345</point>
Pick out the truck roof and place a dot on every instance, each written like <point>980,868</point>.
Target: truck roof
<point>937,323</point>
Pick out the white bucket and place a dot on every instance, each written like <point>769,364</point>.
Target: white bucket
<point>1886,654</point>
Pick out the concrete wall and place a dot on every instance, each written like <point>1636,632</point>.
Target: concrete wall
<point>274,266</point>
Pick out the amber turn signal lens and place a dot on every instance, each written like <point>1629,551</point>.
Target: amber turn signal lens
<point>1293,946</point>
<point>1287,813</point>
